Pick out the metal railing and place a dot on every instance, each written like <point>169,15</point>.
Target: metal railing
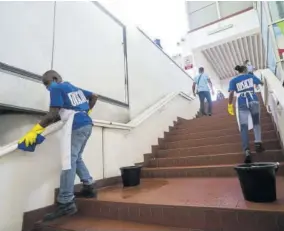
<point>274,107</point>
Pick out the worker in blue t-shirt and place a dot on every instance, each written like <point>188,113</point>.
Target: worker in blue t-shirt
<point>247,108</point>
<point>202,86</point>
<point>72,105</point>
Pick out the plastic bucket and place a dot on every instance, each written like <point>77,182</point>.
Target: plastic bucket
<point>258,181</point>
<point>130,175</point>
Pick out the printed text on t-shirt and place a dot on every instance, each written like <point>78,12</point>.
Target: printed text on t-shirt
<point>77,98</point>
<point>244,85</point>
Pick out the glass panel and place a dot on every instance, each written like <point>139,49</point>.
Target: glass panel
<point>278,70</point>
<point>264,28</point>
<point>276,10</point>
<point>278,29</point>
<point>194,6</point>
<point>202,17</point>
<point>228,8</point>
<point>271,61</point>
<point>258,9</point>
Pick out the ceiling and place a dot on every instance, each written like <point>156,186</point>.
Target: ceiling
<point>223,58</point>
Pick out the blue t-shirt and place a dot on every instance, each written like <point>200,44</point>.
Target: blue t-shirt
<point>245,84</point>
<point>203,82</point>
<point>65,95</point>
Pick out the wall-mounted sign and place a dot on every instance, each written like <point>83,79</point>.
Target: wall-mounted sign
<point>188,62</point>
<point>219,29</point>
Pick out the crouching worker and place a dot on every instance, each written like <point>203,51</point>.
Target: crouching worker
<point>72,105</point>
<point>247,109</point>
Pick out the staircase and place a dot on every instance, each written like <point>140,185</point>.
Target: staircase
<point>189,183</point>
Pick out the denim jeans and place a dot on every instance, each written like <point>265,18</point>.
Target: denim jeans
<point>79,139</point>
<point>202,96</point>
<point>244,111</point>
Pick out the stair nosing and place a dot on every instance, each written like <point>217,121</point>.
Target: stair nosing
<point>188,148</point>
<point>227,122</point>
<point>217,155</point>
<point>197,166</point>
<point>185,129</point>
<point>171,142</point>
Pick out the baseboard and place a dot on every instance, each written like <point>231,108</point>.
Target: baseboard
<point>31,217</point>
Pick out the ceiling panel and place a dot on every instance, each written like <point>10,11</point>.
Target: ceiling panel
<point>223,58</point>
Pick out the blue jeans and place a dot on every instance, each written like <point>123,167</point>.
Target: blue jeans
<point>202,96</point>
<point>79,139</point>
<point>244,111</point>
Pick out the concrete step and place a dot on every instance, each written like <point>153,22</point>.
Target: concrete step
<point>216,131</point>
<point>224,170</point>
<point>203,204</point>
<point>207,120</point>
<point>223,110</point>
<point>186,134</point>
<point>218,124</point>
<point>266,135</point>
<point>214,149</point>
<point>229,158</point>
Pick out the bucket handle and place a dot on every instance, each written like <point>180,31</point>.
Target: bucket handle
<point>277,166</point>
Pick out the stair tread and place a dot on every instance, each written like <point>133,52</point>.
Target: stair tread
<point>196,167</point>
<point>267,152</point>
<point>212,145</point>
<point>213,137</point>
<point>221,192</point>
<point>80,223</point>
<point>211,130</point>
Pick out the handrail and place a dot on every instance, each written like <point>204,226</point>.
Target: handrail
<point>108,124</point>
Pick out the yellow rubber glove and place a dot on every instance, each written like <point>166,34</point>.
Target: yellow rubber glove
<point>89,112</point>
<point>30,137</point>
<point>231,109</point>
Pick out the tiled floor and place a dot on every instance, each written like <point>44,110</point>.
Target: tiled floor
<point>202,192</point>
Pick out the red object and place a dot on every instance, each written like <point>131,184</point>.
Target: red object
<point>281,53</point>
<point>188,66</point>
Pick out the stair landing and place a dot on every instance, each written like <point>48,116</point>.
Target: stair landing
<point>202,192</point>
<point>203,204</point>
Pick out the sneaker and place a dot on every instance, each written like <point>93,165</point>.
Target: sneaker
<point>61,210</point>
<point>259,148</point>
<point>247,157</point>
<point>87,191</point>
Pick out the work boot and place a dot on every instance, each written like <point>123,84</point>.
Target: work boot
<point>259,148</point>
<point>87,191</point>
<point>247,156</point>
<point>60,211</point>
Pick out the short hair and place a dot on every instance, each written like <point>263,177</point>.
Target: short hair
<point>241,69</point>
<point>52,74</point>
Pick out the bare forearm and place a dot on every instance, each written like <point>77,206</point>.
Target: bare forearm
<point>93,101</point>
<point>210,85</point>
<point>231,97</point>
<point>193,88</point>
<point>51,117</point>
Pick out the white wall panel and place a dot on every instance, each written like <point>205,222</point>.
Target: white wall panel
<point>152,74</point>
<point>89,49</point>
<point>26,35</point>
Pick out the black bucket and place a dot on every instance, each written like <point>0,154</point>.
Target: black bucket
<point>258,181</point>
<point>130,175</point>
